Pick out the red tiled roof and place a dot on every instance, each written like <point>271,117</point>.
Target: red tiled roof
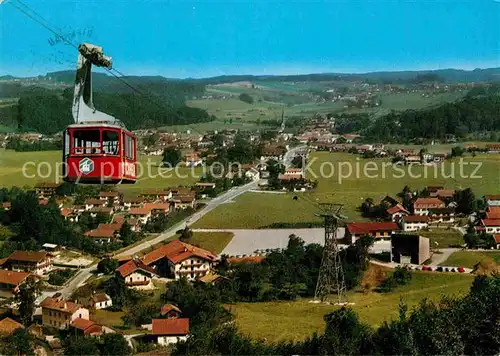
<point>177,251</point>
<point>396,209</point>
<point>248,259</point>
<point>101,233</point>
<point>7,326</point>
<point>493,209</point>
<point>118,219</point>
<point>139,211</point>
<point>492,197</point>
<point>66,212</point>
<point>82,324</point>
<point>416,218</point>
<point>28,256</point>
<point>497,238</point>
<point>178,326</point>
<point>157,206</point>
<point>6,205</point>
<point>109,194</point>
<point>60,305</point>
<point>491,222</point>
<point>100,297</point>
<point>133,200</point>
<point>43,202</point>
<point>168,308</point>
<point>445,193</point>
<point>370,227</point>
<point>13,278</point>
<point>94,201</point>
<point>133,265</point>
<point>112,227</point>
<point>428,203</point>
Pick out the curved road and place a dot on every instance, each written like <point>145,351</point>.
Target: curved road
<point>80,278</point>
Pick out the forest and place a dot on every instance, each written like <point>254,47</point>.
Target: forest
<point>472,114</point>
<point>49,111</point>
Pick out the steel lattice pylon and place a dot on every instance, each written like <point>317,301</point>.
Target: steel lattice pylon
<point>331,274</point>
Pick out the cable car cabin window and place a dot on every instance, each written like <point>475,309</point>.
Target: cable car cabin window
<point>87,142</point>
<point>66,143</point>
<point>110,142</point>
<point>129,146</point>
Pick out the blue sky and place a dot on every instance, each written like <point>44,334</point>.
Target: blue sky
<point>206,38</point>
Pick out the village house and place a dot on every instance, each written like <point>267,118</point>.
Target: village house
<point>377,230</point>
<point>88,328</point>
<point>59,313</point>
<point>396,212</point>
<point>170,331</point>
<point>110,196</point>
<point>70,215</point>
<point>143,215</point>
<point>443,194</point>
<point>157,208</point>
<point>192,159</point>
<point>493,212</point>
<point>421,206</point>
<point>412,160</point>
<point>34,262</point>
<point>101,301</point>
<point>96,210</point>
<point>182,202</point>
<point>8,326</point>
<point>93,203</point>
<point>137,275</point>
<point>133,202</point>
<point>164,195</point>
<point>178,259</point>
<point>442,215</point>
<point>491,226</point>
<point>492,200</point>
<point>252,173</point>
<point>493,147</point>
<point>415,222</point>
<point>11,280</point>
<point>272,152</point>
<point>46,190</point>
<point>102,235</point>
<point>496,237</point>
<point>170,311</point>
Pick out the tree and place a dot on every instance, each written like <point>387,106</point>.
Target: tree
<point>186,234</point>
<point>246,98</point>
<point>107,265</point>
<point>457,151</point>
<point>171,157</point>
<point>466,201</point>
<point>28,292</point>
<point>344,333</point>
<point>21,342</point>
<point>82,347</point>
<point>115,344</point>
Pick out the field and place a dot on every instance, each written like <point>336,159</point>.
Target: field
<point>12,163</point>
<point>274,321</point>
<point>470,258</point>
<point>443,237</point>
<point>211,241</point>
<point>258,210</point>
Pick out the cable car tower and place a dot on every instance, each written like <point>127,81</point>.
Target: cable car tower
<point>331,274</point>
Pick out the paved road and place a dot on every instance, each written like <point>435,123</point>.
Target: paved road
<point>438,258</point>
<point>85,273</point>
<point>211,205</point>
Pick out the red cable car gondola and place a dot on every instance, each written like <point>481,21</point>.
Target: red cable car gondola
<point>98,148</point>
